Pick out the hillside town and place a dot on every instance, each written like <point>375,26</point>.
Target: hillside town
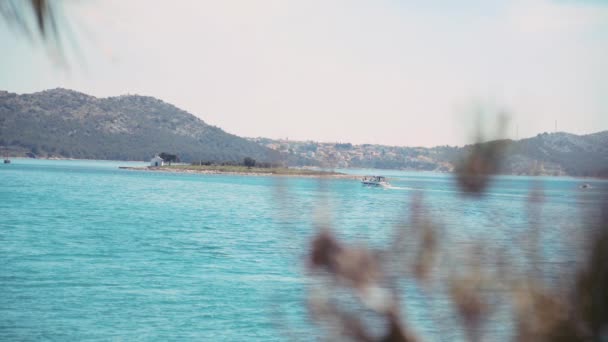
<point>343,155</point>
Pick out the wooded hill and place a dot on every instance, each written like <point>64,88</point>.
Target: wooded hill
<point>545,154</point>
<point>66,123</point>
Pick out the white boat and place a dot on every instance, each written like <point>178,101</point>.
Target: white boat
<point>374,181</point>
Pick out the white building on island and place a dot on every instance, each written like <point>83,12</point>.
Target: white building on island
<point>156,161</point>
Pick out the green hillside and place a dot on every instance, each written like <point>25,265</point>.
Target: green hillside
<point>66,123</point>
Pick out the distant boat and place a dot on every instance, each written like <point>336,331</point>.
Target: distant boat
<point>584,186</point>
<point>374,181</point>
<point>7,161</point>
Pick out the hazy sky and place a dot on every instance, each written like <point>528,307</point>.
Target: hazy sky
<point>391,72</point>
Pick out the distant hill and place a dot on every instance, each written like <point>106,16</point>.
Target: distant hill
<point>559,153</point>
<point>66,123</point>
<point>545,154</point>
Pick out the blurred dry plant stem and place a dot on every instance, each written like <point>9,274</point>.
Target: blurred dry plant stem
<point>483,160</point>
<point>541,312</point>
<point>36,19</point>
<point>356,269</point>
<point>577,311</point>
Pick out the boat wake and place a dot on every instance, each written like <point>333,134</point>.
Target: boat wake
<point>453,191</point>
<point>400,188</point>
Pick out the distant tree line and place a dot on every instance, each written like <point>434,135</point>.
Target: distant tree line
<point>169,158</point>
<point>345,146</point>
<point>247,162</point>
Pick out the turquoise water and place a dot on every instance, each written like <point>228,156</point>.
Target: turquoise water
<point>91,252</point>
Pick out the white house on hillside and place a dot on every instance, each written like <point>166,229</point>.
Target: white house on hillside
<point>156,161</point>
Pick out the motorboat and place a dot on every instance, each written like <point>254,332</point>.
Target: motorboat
<point>374,181</point>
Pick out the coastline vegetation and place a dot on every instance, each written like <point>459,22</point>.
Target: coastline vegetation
<point>247,166</point>
<point>244,169</point>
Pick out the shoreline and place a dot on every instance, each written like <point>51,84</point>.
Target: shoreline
<point>238,173</point>
<point>328,175</point>
<point>76,159</point>
<point>345,176</point>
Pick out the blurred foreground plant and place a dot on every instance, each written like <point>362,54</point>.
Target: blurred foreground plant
<point>356,296</point>
<point>42,22</point>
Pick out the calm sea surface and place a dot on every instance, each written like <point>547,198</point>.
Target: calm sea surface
<point>91,252</point>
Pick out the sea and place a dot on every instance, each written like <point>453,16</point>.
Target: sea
<point>91,252</point>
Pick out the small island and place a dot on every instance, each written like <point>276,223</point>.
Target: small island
<point>249,167</point>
